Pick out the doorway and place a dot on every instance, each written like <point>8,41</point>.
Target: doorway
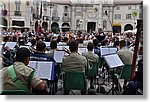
<point>91,26</point>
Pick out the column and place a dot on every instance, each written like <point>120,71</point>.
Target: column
<point>84,18</point>
<point>73,18</point>
<point>100,23</point>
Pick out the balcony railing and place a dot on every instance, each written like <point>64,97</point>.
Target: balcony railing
<point>17,13</point>
<point>56,19</point>
<point>66,19</point>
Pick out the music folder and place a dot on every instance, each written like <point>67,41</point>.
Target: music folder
<point>113,61</point>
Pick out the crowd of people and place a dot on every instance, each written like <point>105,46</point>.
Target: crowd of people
<point>20,57</point>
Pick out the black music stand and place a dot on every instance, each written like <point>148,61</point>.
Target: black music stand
<point>113,61</point>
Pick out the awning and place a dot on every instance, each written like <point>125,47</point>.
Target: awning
<point>15,27</point>
<point>18,18</point>
<point>116,24</point>
<point>1,26</point>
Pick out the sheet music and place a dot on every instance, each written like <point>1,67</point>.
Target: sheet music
<point>11,45</point>
<point>58,56</point>
<point>45,70</point>
<point>113,50</point>
<point>61,47</point>
<point>82,50</point>
<point>117,60</point>
<point>33,64</point>
<point>104,51</point>
<point>47,43</point>
<point>108,50</point>
<point>113,61</point>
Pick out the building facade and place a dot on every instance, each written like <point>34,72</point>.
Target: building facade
<point>64,15</point>
<point>16,14</point>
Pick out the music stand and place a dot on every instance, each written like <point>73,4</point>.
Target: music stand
<point>113,61</point>
<point>107,51</point>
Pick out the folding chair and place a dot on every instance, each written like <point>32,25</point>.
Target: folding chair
<point>125,74</point>
<point>74,81</point>
<point>92,73</point>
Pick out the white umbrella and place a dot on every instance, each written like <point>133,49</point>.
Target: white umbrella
<point>128,31</point>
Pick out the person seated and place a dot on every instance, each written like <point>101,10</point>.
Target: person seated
<point>32,47</point>
<point>53,46</point>
<point>40,54</point>
<point>22,72</point>
<point>74,62</point>
<point>90,55</point>
<point>125,54</point>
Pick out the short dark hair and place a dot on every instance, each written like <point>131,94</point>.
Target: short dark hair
<point>33,41</point>
<point>22,54</point>
<point>65,39</point>
<point>73,46</point>
<point>95,42</point>
<point>90,46</point>
<point>53,45</point>
<point>122,42</point>
<point>40,46</point>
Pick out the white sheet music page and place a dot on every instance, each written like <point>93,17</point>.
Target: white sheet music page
<point>81,50</point>
<point>104,51</point>
<point>58,56</point>
<point>110,61</point>
<point>45,70</point>
<point>11,45</point>
<point>113,61</point>
<point>117,60</point>
<point>33,64</point>
<point>112,50</point>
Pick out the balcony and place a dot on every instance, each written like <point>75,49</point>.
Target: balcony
<point>66,19</point>
<point>17,13</point>
<point>56,19</point>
